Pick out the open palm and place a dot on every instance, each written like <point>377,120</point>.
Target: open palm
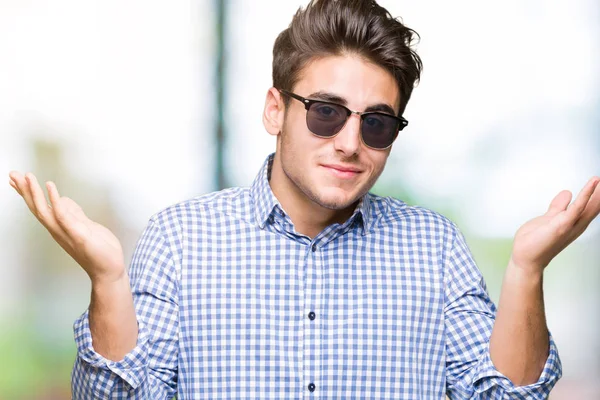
<point>90,244</point>
<point>539,240</point>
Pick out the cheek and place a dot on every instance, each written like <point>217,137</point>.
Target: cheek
<point>378,163</point>
<point>296,139</point>
<point>378,158</point>
<point>381,163</point>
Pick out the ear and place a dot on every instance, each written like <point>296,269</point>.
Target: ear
<point>274,113</point>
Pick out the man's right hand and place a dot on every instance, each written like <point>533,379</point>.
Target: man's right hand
<point>90,244</point>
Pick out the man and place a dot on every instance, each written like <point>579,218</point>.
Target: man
<point>305,285</point>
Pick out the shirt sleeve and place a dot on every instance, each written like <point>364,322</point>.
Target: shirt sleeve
<point>149,371</point>
<point>469,319</point>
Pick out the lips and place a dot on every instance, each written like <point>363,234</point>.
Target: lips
<point>342,171</point>
<point>342,168</point>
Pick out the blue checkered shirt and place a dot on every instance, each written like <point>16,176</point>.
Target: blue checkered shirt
<point>233,303</point>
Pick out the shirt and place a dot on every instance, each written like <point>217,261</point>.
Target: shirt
<point>233,303</point>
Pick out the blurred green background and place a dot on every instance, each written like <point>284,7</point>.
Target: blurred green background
<point>132,106</point>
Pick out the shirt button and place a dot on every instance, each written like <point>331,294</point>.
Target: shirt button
<point>311,387</point>
<point>314,248</point>
<point>311,315</point>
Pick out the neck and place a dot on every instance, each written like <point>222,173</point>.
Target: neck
<point>309,218</point>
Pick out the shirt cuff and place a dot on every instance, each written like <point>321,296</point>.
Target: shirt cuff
<point>488,377</point>
<point>131,368</point>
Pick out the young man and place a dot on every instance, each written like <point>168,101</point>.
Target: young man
<point>305,285</point>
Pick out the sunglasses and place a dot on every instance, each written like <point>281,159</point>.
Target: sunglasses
<point>325,119</point>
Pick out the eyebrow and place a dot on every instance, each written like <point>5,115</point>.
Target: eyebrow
<point>334,98</point>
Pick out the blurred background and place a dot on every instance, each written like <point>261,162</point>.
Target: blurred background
<point>131,106</point>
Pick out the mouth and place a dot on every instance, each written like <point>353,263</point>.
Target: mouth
<point>342,171</point>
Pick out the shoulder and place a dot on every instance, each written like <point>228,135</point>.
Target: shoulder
<point>204,209</point>
<point>395,213</point>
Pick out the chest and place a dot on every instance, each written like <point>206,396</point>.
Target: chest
<point>342,314</point>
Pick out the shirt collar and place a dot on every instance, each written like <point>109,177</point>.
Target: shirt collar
<point>263,198</point>
<point>264,201</point>
<point>363,213</point>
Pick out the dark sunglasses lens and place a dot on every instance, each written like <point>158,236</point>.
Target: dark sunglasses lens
<point>379,130</point>
<point>324,119</point>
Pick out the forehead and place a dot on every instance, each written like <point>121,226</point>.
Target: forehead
<point>360,82</point>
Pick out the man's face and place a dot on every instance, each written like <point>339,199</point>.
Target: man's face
<point>335,172</point>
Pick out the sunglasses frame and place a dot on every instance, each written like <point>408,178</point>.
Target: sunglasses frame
<point>309,102</point>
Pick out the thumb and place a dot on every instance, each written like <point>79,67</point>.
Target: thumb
<point>559,203</point>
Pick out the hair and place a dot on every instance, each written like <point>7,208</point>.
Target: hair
<point>339,27</point>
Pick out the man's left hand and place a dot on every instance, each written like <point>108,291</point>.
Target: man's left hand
<point>539,240</point>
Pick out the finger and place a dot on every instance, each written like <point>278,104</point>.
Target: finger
<point>26,193</point>
<point>60,209</point>
<point>52,194</point>
<point>11,181</point>
<point>13,185</point>
<point>592,209</point>
<point>15,178</point>
<point>576,208</point>
<point>62,216</point>
<point>64,209</point>
<point>559,203</point>
<point>43,212</point>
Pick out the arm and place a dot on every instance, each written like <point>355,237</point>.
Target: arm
<point>149,370</point>
<point>469,320</point>
<point>519,341</point>
<point>519,344</point>
<point>116,354</point>
<point>113,323</point>
<point>99,253</point>
<point>511,355</point>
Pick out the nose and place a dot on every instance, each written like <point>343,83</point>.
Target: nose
<point>347,141</point>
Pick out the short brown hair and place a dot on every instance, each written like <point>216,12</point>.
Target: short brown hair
<point>336,27</point>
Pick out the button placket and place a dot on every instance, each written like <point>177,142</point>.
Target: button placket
<point>312,326</point>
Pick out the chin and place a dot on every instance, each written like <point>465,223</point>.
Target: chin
<point>336,201</point>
